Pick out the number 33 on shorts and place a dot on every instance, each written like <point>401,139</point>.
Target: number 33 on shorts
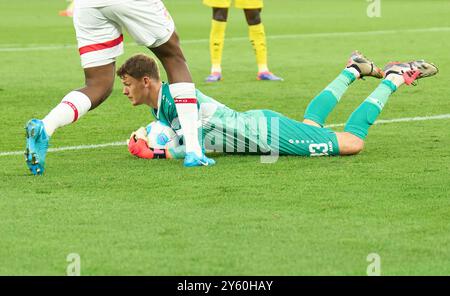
<point>318,149</point>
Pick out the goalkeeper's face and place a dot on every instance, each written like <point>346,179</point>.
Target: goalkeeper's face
<point>137,90</point>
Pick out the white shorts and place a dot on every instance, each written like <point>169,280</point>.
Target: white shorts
<point>99,29</point>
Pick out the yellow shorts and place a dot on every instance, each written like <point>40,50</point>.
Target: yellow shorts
<point>244,4</point>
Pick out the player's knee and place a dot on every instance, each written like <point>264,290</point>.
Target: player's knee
<point>253,16</point>
<point>349,144</point>
<point>356,147</point>
<point>220,14</point>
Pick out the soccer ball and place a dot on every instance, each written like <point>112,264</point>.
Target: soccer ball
<point>161,136</point>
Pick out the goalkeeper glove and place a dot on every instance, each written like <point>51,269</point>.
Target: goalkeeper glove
<point>137,145</point>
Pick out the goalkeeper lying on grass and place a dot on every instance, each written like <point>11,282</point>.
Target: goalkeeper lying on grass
<point>263,131</point>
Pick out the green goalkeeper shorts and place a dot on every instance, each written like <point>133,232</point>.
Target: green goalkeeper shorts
<point>297,138</point>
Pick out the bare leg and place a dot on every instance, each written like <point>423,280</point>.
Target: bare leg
<point>253,16</point>
<point>173,60</point>
<point>182,90</point>
<point>216,42</point>
<point>99,82</point>
<point>220,14</point>
<point>349,144</point>
<point>258,40</point>
<point>310,122</point>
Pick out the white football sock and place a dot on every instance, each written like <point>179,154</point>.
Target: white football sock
<point>186,103</point>
<point>353,71</point>
<point>263,69</point>
<point>216,69</point>
<point>396,79</point>
<point>74,105</point>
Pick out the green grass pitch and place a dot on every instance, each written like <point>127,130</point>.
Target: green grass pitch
<point>298,216</point>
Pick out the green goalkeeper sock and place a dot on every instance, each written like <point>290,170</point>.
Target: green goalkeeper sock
<point>365,115</point>
<point>322,105</point>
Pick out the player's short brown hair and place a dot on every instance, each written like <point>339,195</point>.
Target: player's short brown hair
<point>138,66</point>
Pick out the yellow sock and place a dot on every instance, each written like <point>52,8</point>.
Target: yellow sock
<point>216,41</point>
<point>258,39</point>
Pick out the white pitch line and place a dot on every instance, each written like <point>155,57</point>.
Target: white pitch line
<point>46,47</point>
<point>81,147</point>
<point>405,119</point>
<point>113,144</point>
<point>37,48</point>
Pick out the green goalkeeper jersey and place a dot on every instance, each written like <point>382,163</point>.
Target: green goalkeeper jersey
<point>223,129</point>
